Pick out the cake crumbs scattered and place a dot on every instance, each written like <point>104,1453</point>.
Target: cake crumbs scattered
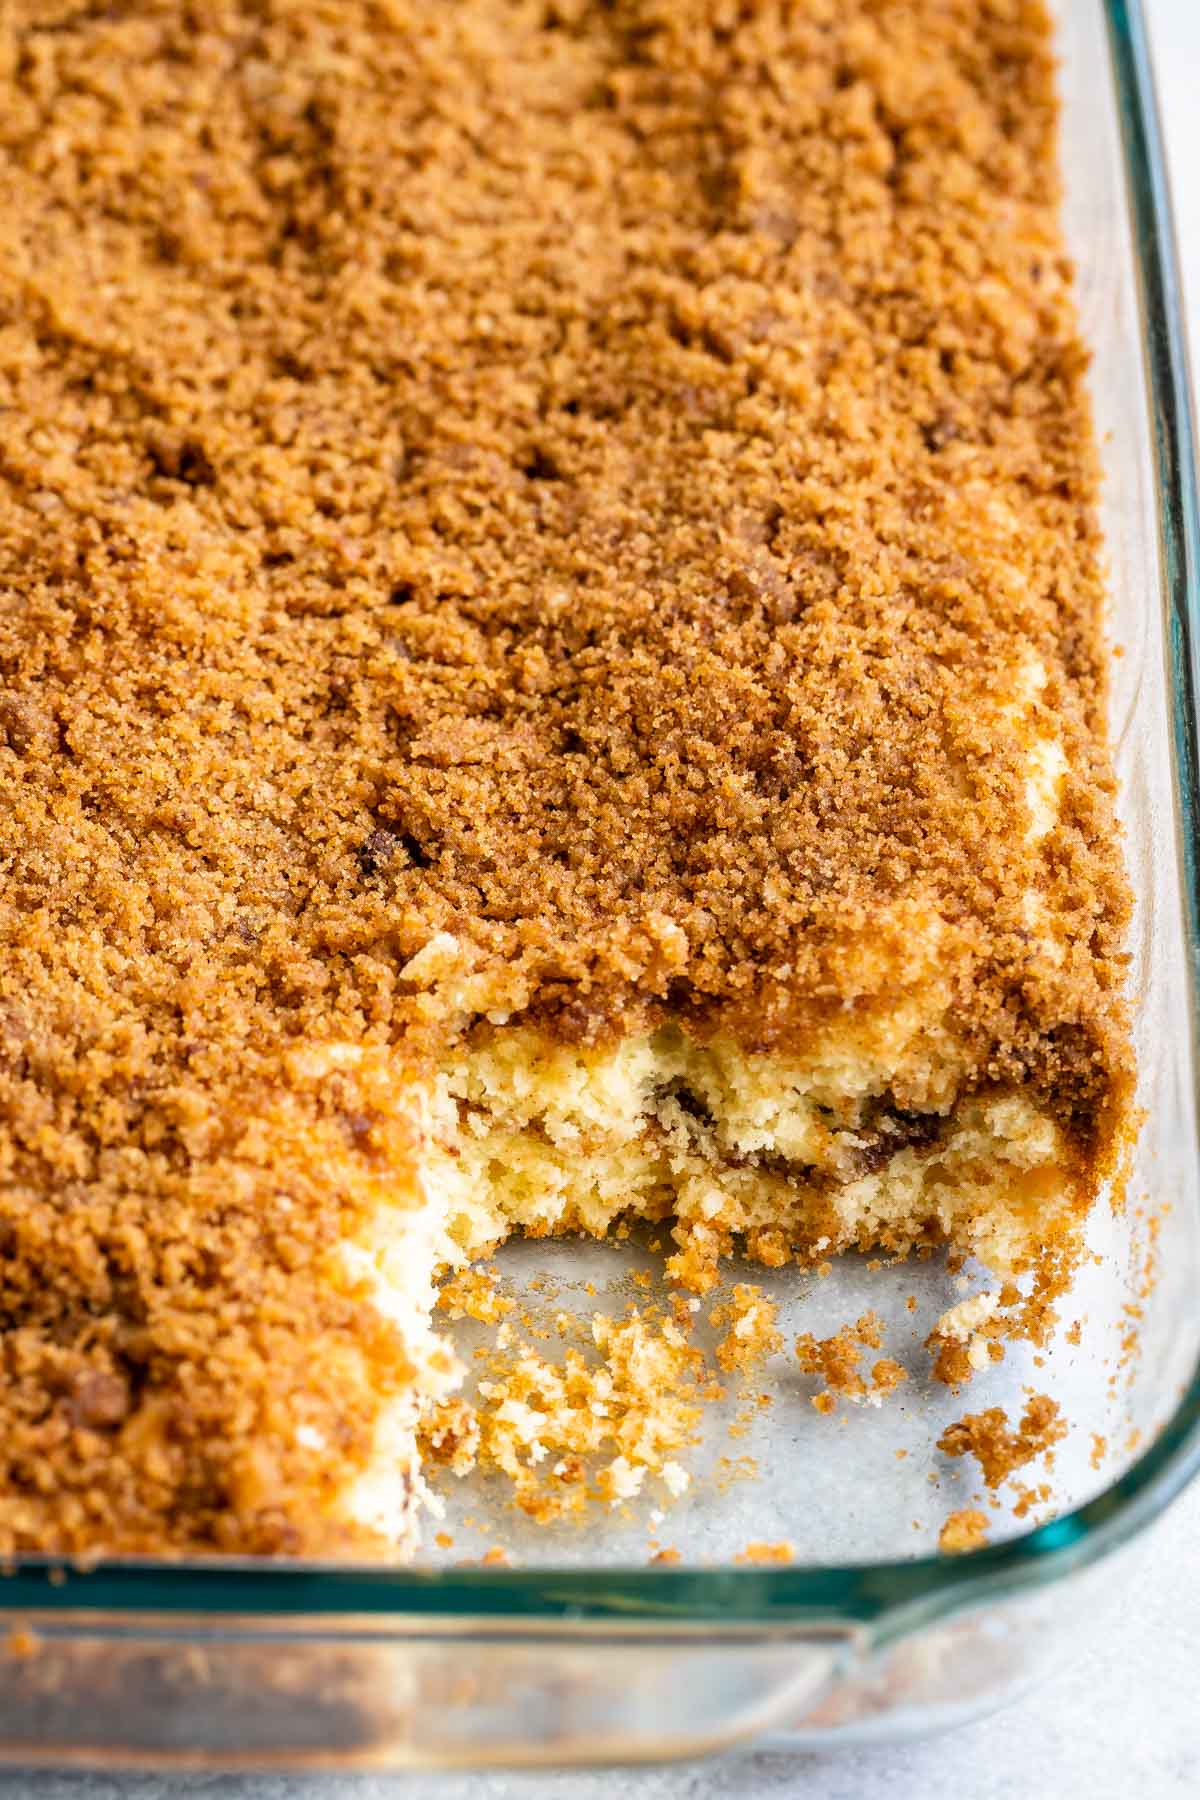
<point>473,1293</point>
<point>835,1360</point>
<point>1001,1451</point>
<point>734,1469</point>
<point>1026,1498</point>
<point>590,1427</point>
<point>753,1334</point>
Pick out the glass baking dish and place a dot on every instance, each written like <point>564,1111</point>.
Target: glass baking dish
<point>583,1652</point>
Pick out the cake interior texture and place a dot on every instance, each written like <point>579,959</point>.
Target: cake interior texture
<point>551,673</point>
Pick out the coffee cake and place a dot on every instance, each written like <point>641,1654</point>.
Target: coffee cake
<point>552,671</point>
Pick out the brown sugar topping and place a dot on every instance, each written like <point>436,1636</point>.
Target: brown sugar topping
<point>560,474</point>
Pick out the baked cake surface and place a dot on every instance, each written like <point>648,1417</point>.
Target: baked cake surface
<point>552,667</point>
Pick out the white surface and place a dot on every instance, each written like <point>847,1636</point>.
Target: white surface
<point>1123,1720</point>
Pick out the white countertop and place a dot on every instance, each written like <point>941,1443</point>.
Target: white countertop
<point>1123,1721</point>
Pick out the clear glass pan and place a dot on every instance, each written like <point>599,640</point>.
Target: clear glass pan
<point>590,1658</point>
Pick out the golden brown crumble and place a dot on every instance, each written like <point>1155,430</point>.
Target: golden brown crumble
<point>964,1339</point>
<point>752,1335</point>
<point>450,1436</point>
<point>473,1293</point>
<point>886,1376</point>
<point>835,1359</point>
<point>563,475</point>
<point>1026,1498</point>
<point>963,1531</point>
<point>960,1352</point>
<point>1000,1449</point>
<point>589,1427</point>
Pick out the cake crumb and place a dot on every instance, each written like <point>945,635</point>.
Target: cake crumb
<point>473,1293</point>
<point>960,1339</point>
<point>733,1469</point>
<point>449,1436</point>
<point>753,1334</point>
<point>963,1531</point>
<point>593,1425</point>
<point>766,1554</point>
<point>1026,1498</point>
<point>21,1642</point>
<point>886,1376</point>
<point>1001,1451</point>
<point>835,1360</point>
